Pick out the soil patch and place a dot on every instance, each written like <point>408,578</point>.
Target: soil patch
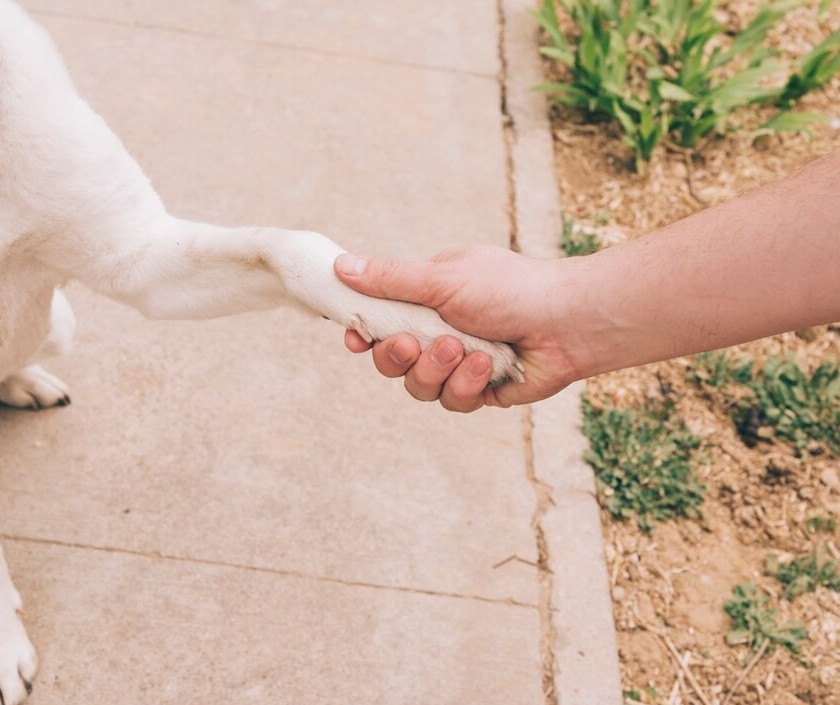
<point>669,586</point>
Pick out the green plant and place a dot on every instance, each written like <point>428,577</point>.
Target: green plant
<point>805,573</point>
<point>812,71</point>
<point>670,68</point>
<point>825,523</point>
<point>799,408</point>
<point>718,369</point>
<point>754,620</point>
<point>643,462</point>
<point>577,241</point>
<point>634,697</point>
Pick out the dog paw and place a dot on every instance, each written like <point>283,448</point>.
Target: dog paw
<point>18,661</point>
<point>382,319</point>
<point>306,266</point>
<point>32,387</point>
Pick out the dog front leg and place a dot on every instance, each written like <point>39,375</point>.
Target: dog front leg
<point>18,662</point>
<point>176,269</point>
<point>182,270</point>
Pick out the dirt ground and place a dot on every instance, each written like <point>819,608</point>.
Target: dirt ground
<point>669,586</point>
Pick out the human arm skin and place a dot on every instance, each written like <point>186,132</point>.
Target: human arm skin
<point>763,263</point>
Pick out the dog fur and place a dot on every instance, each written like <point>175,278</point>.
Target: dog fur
<point>75,205</point>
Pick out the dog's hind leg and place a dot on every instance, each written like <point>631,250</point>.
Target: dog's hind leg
<point>32,387</point>
<point>18,661</point>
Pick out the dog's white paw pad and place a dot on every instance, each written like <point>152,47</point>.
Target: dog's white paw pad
<point>33,388</point>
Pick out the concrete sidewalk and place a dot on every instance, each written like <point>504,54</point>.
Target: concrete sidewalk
<point>239,509</point>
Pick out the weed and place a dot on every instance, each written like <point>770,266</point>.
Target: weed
<point>577,241</point>
<point>662,69</point>
<point>797,407</point>
<point>805,573</point>
<point>824,523</point>
<point>634,697</point>
<point>717,369</point>
<point>800,408</point>
<point>643,462</point>
<point>812,71</point>
<point>754,620</point>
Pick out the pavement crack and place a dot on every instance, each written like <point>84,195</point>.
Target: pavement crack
<point>545,575</point>
<point>254,41</point>
<point>508,130</point>
<point>158,555</point>
<point>545,579</point>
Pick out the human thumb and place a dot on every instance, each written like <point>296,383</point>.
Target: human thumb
<point>387,279</point>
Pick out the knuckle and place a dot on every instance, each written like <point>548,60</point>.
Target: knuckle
<point>420,392</point>
<point>462,406</point>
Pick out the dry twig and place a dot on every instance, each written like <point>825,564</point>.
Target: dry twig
<point>511,559</point>
<point>747,669</point>
<point>695,686</point>
<point>687,155</point>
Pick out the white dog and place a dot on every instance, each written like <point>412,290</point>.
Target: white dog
<point>74,204</point>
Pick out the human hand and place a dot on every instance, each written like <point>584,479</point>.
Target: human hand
<point>485,291</point>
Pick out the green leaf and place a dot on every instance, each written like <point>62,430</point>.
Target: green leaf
<point>624,118</point>
<point>552,87</point>
<point>756,31</point>
<point>564,56</point>
<point>547,17</point>
<point>736,637</point>
<point>744,88</point>
<point>671,91</point>
<point>794,122</point>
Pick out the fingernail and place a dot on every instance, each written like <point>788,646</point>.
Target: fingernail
<point>443,354</point>
<point>479,366</point>
<point>398,355</point>
<point>351,264</point>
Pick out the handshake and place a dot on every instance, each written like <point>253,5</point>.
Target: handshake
<point>483,291</point>
<point>761,264</point>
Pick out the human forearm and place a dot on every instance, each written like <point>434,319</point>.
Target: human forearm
<point>766,262</point>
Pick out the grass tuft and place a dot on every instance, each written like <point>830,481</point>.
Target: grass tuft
<point>781,400</point>
<point>806,573</point>
<point>644,463</point>
<point>754,620</point>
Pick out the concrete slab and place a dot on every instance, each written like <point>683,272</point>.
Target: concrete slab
<point>398,159</point>
<point>121,629</point>
<point>258,440</point>
<point>451,36</point>
<point>559,443</point>
<point>538,217</point>
<point>585,649</point>
<point>239,509</point>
